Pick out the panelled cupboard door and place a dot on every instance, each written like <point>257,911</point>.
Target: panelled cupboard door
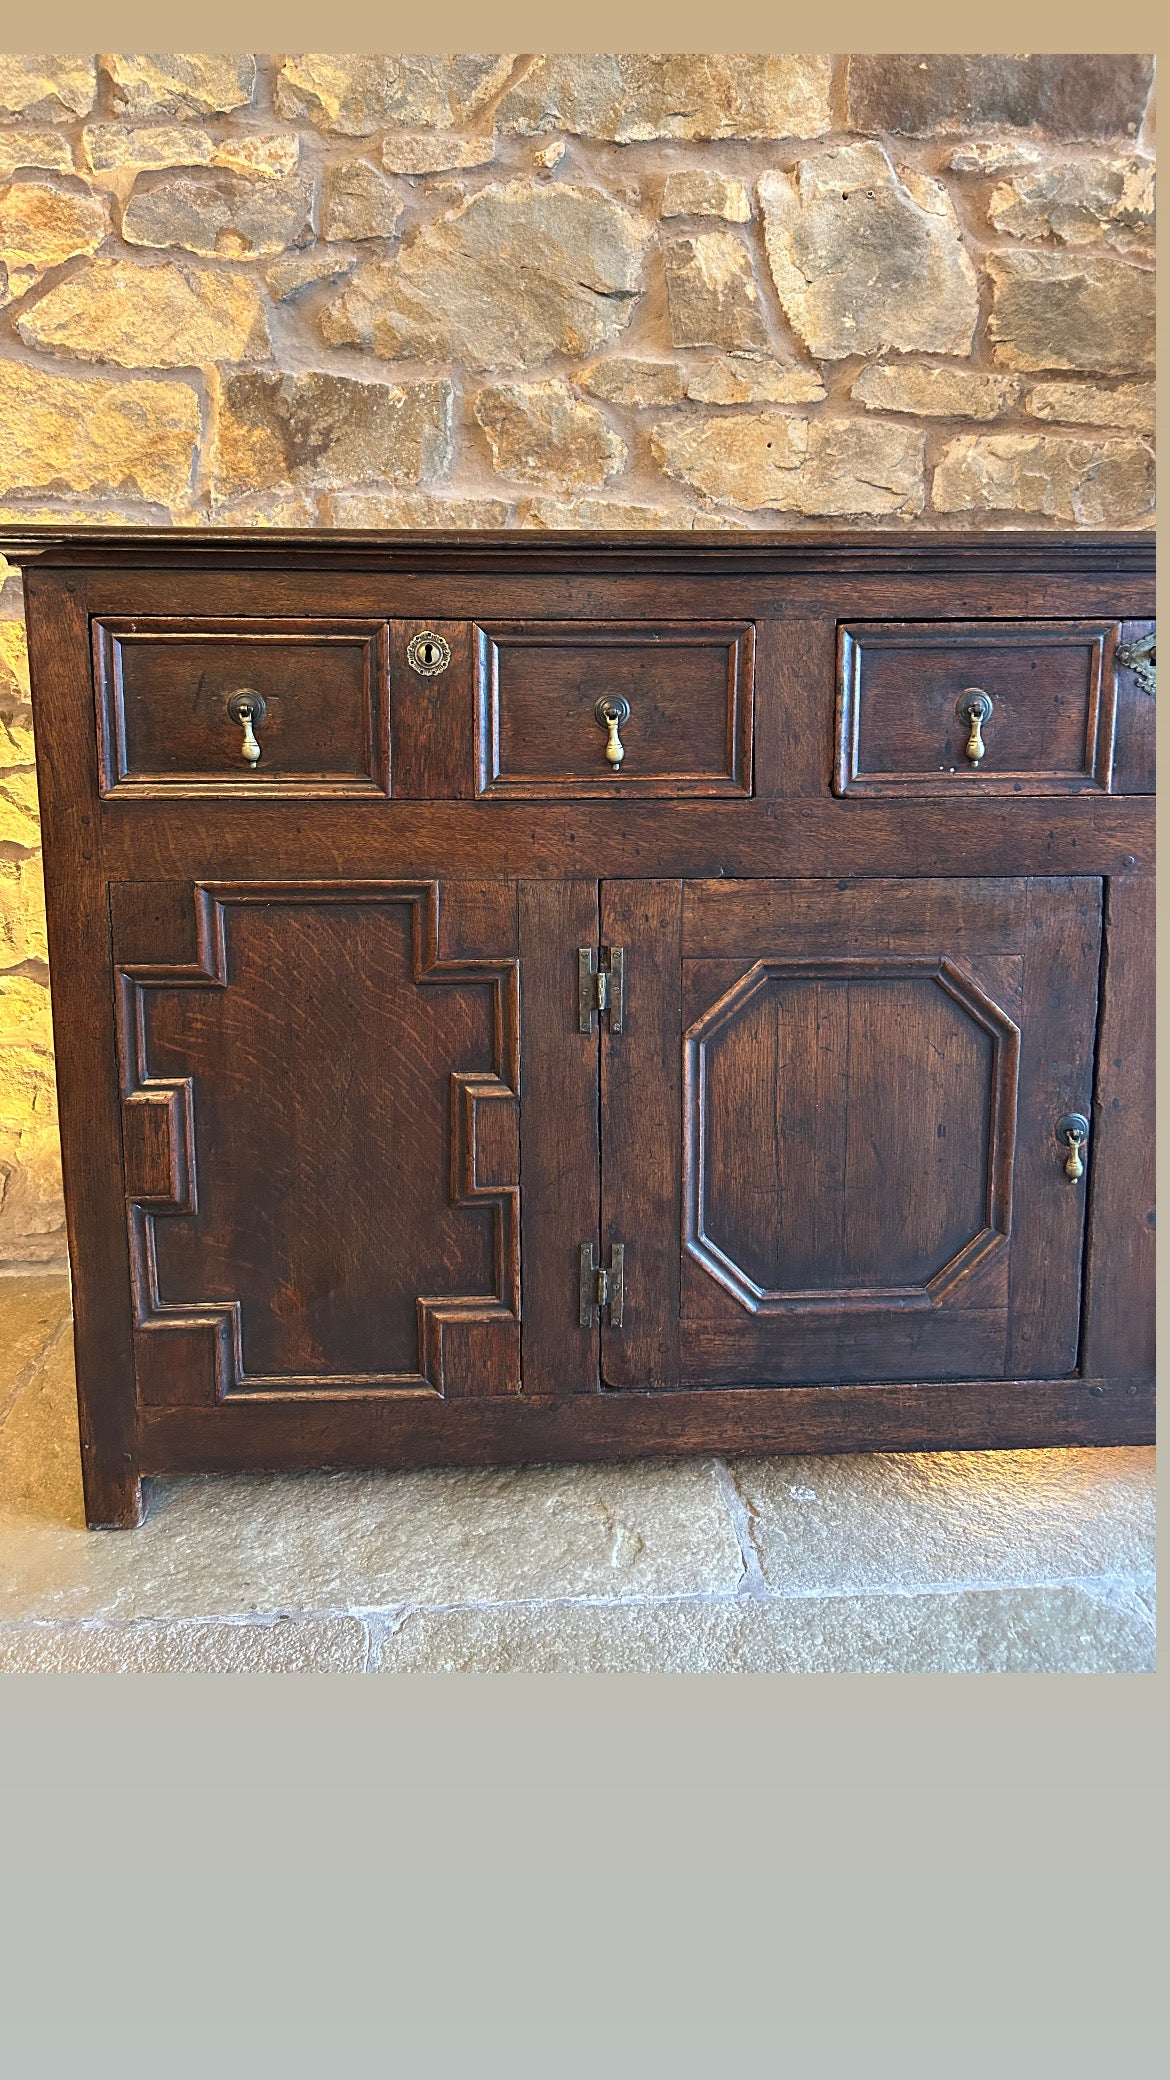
<point>320,1112</point>
<point>832,1129</point>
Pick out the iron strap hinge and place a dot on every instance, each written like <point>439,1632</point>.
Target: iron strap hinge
<point>601,985</point>
<point>602,1292</point>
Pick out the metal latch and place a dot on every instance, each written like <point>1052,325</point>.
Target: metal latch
<point>601,983</point>
<point>602,1292</point>
<point>1141,659</point>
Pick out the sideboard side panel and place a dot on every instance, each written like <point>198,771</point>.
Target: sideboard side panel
<point>86,1044</point>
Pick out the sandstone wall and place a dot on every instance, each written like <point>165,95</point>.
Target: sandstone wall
<point>548,291</point>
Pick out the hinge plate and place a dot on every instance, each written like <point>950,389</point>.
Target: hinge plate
<point>603,1292</point>
<point>1140,659</point>
<point>601,986</point>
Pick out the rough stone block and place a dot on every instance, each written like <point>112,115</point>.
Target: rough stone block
<point>711,293</point>
<point>110,146</point>
<point>360,203</point>
<point>357,94</point>
<point>414,509</point>
<point>32,1213</point>
<point>22,151</point>
<point>633,97</point>
<point>20,820</point>
<point>1051,311</point>
<point>694,191</point>
<point>1093,404</point>
<point>173,316</point>
<point>866,258</point>
<point>1085,95</point>
<point>22,907</point>
<point>514,274</point>
<point>768,460</point>
<point>539,433</point>
<point>327,430</point>
<point>934,392</point>
<point>624,379</point>
<point>741,379</point>
<point>231,215</point>
<point>14,678</point>
<point>181,83</point>
<point>79,433</point>
<point>25,1015</point>
<point>616,515</point>
<point>42,227</point>
<point>1080,202</point>
<point>1080,482</point>
<point>434,151</point>
<point>986,155</point>
<point>44,86</point>
<point>288,277</point>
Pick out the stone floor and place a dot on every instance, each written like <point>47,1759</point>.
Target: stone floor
<point>1006,1562</point>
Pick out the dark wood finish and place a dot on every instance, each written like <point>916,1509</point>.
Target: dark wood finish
<point>687,686</point>
<point>163,688</point>
<point>333,1137</point>
<point>1120,1287</point>
<point>948,1415</point>
<point>848,1126</point>
<point>1133,754</point>
<point>1050,730</point>
<point>432,720</point>
<point>560,1159</point>
<point>334,1080</point>
<point>641,1086</point>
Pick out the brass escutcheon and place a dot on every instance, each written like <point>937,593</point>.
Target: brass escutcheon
<point>428,654</point>
<point>611,713</point>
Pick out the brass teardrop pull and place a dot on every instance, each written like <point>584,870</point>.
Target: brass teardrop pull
<point>611,713</point>
<point>1073,1130</point>
<point>247,708</point>
<point>975,710</point>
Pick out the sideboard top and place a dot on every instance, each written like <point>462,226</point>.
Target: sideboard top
<point>810,553</point>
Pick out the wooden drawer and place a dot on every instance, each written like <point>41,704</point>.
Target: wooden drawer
<point>685,687</point>
<point>903,685</point>
<point>164,688</point>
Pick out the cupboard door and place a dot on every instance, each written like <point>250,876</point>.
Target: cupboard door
<point>320,1107</point>
<point>831,1129</point>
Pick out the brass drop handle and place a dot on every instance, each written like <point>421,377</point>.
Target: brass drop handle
<point>611,713</point>
<point>247,708</point>
<point>1073,1131</point>
<point>975,710</point>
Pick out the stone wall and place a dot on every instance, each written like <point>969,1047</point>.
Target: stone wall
<point>549,291</point>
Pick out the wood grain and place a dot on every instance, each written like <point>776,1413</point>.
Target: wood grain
<point>327,1204</point>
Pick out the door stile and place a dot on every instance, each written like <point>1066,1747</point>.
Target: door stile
<point>560,1160</point>
<point>641,1107</point>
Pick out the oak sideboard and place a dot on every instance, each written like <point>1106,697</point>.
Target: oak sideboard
<point>540,996</point>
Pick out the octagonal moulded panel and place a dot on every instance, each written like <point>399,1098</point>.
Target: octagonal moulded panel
<point>850,1131</point>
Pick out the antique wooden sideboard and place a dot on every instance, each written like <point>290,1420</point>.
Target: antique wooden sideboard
<point>528,996</point>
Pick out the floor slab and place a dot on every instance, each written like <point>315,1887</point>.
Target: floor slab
<point>1004,1562</point>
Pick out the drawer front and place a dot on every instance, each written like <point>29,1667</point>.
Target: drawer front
<point>909,699</point>
<point>170,696</point>
<point>681,692</point>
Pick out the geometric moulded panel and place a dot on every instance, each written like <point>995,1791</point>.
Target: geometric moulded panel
<point>320,1122</point>
<point>850,1132</point>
